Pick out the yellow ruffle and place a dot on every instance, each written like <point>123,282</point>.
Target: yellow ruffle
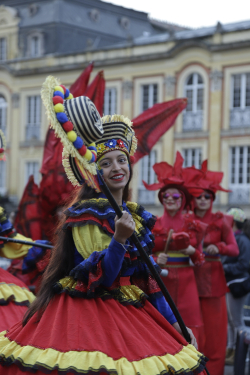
<point>83,361</point>
<point>15,293</point>
<point>13,250</point>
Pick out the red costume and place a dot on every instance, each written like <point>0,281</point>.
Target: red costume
<point>210,277</point>
<point>180,281</point>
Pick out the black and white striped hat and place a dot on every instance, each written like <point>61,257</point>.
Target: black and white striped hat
<point>83,114</point>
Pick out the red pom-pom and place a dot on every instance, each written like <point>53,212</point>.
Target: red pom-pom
<point>1,150</point>
<point>64,88</point>
<point>82,151</point>
<point>68,126</point>
<point>57,99</point>
<point>132,159</point>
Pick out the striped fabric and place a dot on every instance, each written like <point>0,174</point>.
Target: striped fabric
<point>117,130</point>
<point>85,118</point>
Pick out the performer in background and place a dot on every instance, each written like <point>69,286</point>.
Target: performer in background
<point>211,282</point>
<point>118,321</point>
<point>185,244</point>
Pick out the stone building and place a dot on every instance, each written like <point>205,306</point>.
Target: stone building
<point>144,61</point>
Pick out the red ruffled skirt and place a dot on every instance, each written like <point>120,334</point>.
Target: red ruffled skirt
<point>14,299</point>
<point>92,336</point>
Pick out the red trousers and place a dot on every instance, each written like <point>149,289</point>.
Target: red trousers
<point>214,313</point>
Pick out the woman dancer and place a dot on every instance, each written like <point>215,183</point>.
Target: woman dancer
<point>211,282</point>
<point>186,244</point>
<point>110,326</point>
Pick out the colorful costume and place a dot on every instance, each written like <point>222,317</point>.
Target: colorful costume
<point>210,277</point>
<point>107,316</point>
<point>180,280</point>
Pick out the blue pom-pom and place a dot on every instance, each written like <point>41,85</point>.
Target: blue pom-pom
<point>58,93</point>
<point>67,93</point>
<point>92,159</point>
<point>92,148</point>
<point>62,117</point>
<point>78,143</point>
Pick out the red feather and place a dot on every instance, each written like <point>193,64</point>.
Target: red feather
<point>154,122</point>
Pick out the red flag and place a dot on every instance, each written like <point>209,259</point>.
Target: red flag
<point>81,84</point>
<point>96,90</point>
<point>154,122</point>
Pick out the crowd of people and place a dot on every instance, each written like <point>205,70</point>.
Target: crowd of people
<point>98,309</point>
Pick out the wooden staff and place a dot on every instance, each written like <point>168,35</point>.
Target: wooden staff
<point>23,242</point>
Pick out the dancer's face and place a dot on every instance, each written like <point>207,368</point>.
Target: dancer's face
<point>115,170</point>
<point>172,200</point>
<point>203,202</point>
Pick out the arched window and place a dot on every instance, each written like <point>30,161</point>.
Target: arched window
<point>194,91</point>
<point>3,113</point>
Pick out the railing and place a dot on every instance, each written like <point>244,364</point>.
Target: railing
<point>146,196</point>
<point>239,117</point>
<point>240,194</point>
<point>32,132</point>
<point>192,121</point>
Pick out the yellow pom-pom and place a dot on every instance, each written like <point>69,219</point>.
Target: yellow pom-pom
<point>70,96</point>
<point>88,155</point>
<point>59,107</point>
<point>92,144</point>
<point>59,88</point>
<point>72,136</point>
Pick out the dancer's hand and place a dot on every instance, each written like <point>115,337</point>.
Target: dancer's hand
<point>212,249</point>
<point>124,227</point>
<point>190,250</point>
<point>193,339</point>
<point>162,259</point>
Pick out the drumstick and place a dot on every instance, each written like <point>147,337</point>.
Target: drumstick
<point>168,241</point>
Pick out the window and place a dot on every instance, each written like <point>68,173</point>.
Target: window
<point>36,45</point>
<point>149,96</point>
<point>3,113</point>
<point>194,91</point>
<point>110,101</point>
<point>239,174</point>
<point>32,169</point>
<point>147,174</point>
<point>33,117</point>
<point>192,156</point>
<point>3,49</point>
<point>240,101</point>
<point>2,177</point>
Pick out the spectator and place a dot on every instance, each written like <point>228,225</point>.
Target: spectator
<point>237,276</point>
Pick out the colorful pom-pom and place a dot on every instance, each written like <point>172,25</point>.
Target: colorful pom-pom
<point>94,152</point>
<point>68,126</point>
<point>72,136</point>
<point>61,117</point>
<point>66,94</point>
<point>78,143</point>
<point>93,159</point>
<point>70,96</point>
<point>59,88</point>
<point>64,88</point>
<point>132,159</point>
<point>92,148</point>
<point>57,100</point>
<point>88,155</point>
<point>82,151</point>
<point>59,108</point>
<point>58,93</point>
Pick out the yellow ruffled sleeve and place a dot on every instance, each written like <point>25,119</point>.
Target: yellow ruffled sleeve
<point>13,250</point>
<point>90,238</point>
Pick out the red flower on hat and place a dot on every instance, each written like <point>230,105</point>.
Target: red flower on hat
<point>120,143</point>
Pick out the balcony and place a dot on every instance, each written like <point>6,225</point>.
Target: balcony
<point>240,117</point>
<point>32,132</point>
<point>240,194</point>
<point>146,196</point>
<point>192,121</point>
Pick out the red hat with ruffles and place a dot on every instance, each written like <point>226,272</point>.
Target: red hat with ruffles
<point>210,182</point>
<point>176,177</point>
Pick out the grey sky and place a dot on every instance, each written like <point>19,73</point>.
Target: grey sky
<point>192,13</point>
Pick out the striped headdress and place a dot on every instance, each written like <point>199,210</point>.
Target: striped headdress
<point>84,134</point>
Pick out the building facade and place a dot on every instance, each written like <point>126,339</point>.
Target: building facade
<point>144,62</point>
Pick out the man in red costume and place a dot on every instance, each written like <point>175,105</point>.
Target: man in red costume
<point>186,240</point>
<point>219,240</point>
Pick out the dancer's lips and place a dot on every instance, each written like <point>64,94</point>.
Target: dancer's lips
<point>117,177</point>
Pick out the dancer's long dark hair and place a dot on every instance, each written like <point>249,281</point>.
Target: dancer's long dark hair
<point>62,259</point>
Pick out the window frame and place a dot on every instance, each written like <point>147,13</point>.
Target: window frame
<point>3,113</point>
<point>34,164</point>
<point>111,104</point>
<point>34,111</point>
<point>243,89</point>
<point>151,96</point>
<point>197,158</point>
<point>3,40</point>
